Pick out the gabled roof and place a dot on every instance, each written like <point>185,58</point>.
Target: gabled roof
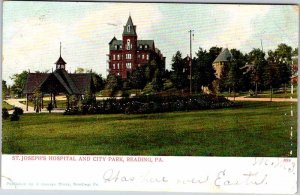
<point>132,28</point>
<point>113,39</point>
<point>150,43</point>
<point>34,80</point>
<point>224,56</point>
<point>60,61</point>
<point>72,83</point>
<point>115,42</point>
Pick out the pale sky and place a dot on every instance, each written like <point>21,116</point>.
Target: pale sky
<point>32,30</point>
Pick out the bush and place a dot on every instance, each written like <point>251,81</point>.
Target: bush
<point>19,111</point>
<point>5,114</point>
<point>153,104</point>
<point>14,116</point>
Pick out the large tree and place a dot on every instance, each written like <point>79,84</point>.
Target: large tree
<point>113,82</point>
<point>283,58</point>
<point>178,77</point>
<point>19,83</point>
<point>255,66</point>
<point>203,72</point>
<point>271,73</point>
<point>137,79</point>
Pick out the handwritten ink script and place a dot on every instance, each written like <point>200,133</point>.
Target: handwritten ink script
<point>194,174</point>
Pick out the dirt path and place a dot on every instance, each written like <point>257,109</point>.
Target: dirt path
<point>244,98</point>
<point>17,103</point>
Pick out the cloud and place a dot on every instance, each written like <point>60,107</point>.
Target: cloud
<point>238,29</point>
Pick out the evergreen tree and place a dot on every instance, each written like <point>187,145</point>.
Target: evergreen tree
<point>178,78</point>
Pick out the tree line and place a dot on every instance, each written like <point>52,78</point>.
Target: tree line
<point>254,71</point>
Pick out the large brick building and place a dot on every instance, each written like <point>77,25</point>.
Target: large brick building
<point>129,53</point>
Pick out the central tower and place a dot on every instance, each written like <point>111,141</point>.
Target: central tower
<point>130,45</point>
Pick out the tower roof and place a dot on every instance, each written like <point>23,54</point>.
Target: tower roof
<point>60,61</point>
<point>224,56</point>
<point>129,29</point>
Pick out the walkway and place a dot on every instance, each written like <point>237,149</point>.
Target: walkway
<point>17,103</point>
<point>244,98</point>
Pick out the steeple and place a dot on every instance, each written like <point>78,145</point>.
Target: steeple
<point>60,63</point>
<point>129,29</point>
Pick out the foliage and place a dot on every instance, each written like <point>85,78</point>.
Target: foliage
<point>4,89</point>
<point>178,78</point>
<point>14,116</point>
<point>137,79</point>
<point>5,114</point>
<point>19,82</point>
<point>113,82</point>
<point>18,111</point>
<point>152,104</point>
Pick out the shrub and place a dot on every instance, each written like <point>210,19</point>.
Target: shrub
<point>19,111</point>
<point>5,114</point>
<point>152,104</point>
<point>14,116</point>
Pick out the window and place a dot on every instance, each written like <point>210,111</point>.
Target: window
<point>128,56</point>
<point>114,66</point>
<point>118,74</point>
<point>128,65</point>
<point>141,46</point>
<point>147,56</point>
<point>118,66</point>
<point>128,28</point>
<point>143,56</point>
<point>118,56</point>
<point>116,47</point>
<point>128,44</point>
<point>139,56</point>
<point>114,57</point>
<point>146,46</point>
<point>120,46</point>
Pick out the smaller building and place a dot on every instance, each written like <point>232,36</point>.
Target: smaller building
<point>59,82</point>
<point>221,64</point>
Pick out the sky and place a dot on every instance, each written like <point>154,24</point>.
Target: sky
<point>32,31</point>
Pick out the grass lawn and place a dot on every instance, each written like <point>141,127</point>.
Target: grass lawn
<point>253,129</point>
<point>7,106</point>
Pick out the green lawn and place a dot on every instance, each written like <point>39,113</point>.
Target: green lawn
<point>7,106</point>
<point>252,129</point>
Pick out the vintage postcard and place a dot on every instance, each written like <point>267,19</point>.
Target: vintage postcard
<point>166,97</point>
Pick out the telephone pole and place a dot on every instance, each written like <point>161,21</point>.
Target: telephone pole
<point>191,59</point>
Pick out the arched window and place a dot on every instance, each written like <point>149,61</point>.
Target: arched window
<point>128,44</point>
<point>128,28</point>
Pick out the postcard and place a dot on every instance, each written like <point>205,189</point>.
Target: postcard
<point>161,97</point>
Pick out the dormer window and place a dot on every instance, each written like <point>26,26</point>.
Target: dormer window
<point>141,46</point>
<point>146,46</point>
<point>116,47</point>
<point>128,28</point>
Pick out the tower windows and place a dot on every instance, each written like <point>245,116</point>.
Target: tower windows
<point>128,44</point>
<point>128,28</point>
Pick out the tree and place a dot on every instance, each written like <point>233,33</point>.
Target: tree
<point>4,89</point>
<point>79,70</point>
<point>178,78</point>
<point>113,82</point>
<point>203,71</point>
<point>283,59</point>
<point>233,77</point>
<point>255,66</point>
<point>295,52</point>
<point>271,74</point>
<point>157,82</point>
<point>137,79</point>
<point>19,82</point>
<point>98,81</point>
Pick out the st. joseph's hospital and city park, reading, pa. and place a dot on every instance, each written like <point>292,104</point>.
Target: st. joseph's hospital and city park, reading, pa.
<point>213,101</point>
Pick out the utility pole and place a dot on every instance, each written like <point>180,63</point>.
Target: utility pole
<point>191,59</point>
